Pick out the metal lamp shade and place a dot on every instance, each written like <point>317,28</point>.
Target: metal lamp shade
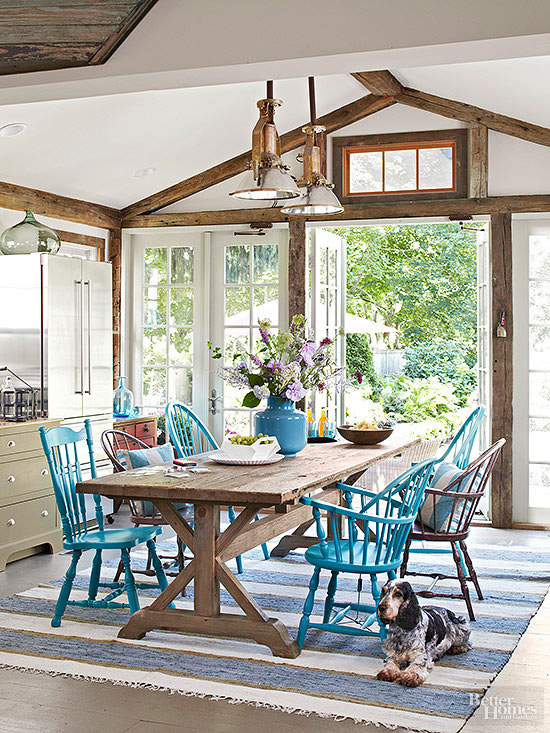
<point>316,200</point>
<point>272,184</point>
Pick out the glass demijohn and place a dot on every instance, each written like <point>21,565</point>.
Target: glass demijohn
<point>7,399</point>
<point>123,400</point>
<point>29,236</point>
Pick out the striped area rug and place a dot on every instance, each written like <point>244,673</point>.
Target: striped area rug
<point>333,677</point>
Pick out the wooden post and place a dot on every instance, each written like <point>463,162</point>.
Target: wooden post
<point>207,584</point>
<point>115,248</point>
<point>297,269</point>
<point>502,415</point>
<point>478,152</point>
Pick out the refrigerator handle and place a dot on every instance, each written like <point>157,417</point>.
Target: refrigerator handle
<point>79,379</point>
<point>88,284</point>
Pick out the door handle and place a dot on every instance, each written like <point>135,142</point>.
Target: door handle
<point>79,335</point>
<point>214,397</point>
<point>88,284</point>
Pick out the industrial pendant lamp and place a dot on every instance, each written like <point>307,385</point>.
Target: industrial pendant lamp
<point>268,178</point>
<point>318,197</point>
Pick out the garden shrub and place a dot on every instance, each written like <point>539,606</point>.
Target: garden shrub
<point>359,359</point>
<point>448,361</point>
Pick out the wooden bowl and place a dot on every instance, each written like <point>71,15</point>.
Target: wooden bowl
<point>364,437</point>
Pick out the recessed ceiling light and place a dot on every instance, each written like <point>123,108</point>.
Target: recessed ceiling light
<point>143,172</point>
<point>16,128</point>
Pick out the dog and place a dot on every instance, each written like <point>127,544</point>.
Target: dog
<point>416,636</point>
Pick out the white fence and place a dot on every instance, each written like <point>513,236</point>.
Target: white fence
<point>388,361</point>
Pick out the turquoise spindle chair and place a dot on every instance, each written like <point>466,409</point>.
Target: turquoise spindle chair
<point>385,519</point>
<point>61,448</point>
<point>460,447</point>
<point>189,436</point>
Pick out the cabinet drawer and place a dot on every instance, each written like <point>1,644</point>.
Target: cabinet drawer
<point>128,429</point>
<point>146,429</point>
<point>19,442</point>
<point>23,476</point>
<point>27,519</point>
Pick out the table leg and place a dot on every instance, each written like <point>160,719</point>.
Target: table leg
<point>207,585</point>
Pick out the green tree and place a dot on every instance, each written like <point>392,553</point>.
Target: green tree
<point>420,279</point>
<point>359,359</point>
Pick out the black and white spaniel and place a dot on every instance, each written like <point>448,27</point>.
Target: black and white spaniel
<point>417,636</point>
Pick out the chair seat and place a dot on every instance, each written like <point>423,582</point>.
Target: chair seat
<point>354,564</point>
<point>113,539</point>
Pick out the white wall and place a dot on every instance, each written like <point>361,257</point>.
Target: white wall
<point>515,166</point>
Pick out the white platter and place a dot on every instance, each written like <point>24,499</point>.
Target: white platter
<point>220,457</point>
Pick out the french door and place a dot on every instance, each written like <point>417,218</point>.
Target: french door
<point>531,283</point>
<point>248,281</point>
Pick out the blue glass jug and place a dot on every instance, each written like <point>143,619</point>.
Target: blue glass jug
<point>123,401</point>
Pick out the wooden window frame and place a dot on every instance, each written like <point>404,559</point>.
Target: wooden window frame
<point>343,147</point>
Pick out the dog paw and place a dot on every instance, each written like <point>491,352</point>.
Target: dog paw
<point>458,649</point>
<point>387,674</point>
<point>411,678</point>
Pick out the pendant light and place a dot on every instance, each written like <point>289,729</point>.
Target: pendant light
<point>268,178</point>
<point>319,197</point>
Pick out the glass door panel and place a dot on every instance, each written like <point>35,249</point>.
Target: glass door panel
<point>248,282</point>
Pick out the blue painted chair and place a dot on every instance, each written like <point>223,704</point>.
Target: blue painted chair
<point>385,519</point>
<point>460,447</point>
<point>189,436</point>
<point>61,448</point>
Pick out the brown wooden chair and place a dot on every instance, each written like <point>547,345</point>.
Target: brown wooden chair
<point>462,497</point>
<point>114,441</point>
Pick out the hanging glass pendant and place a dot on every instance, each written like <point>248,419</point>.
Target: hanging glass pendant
<point>29,236</point>
<point>268,178</point>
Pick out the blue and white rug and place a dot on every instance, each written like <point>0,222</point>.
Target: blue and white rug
<point>335,674</point>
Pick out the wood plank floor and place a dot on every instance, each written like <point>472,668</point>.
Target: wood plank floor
<point>31,703</point>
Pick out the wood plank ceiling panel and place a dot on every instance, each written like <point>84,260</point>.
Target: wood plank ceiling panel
<point>42,35</point>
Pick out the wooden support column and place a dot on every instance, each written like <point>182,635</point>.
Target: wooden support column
<point>502,393</point>
<point>297,269</point>
<point>478,154</point>
<point>115,249</point>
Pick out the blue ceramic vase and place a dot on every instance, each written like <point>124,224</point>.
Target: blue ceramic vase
<point>282,420</point>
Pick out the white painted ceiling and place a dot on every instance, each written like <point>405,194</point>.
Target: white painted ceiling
<point>91,147</point>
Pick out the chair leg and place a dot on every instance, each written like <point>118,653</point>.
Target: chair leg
<point>264,546</point>
<point>462,581</point>
<point>94,576</point>
<point>308,607</point>
<point>157,565</point>
<point>376,593</point>
<point>238,559</point>
<point>119,572</point>
<point>66,588</point>
<point>129,583</point>
<point>331,591</point>
<point>471,569</point>
<point>181,561</point>
<point>405,561</point>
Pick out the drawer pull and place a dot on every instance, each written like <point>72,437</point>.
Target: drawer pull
<point>11,479</point>
<point>11,444</point>
<point>45,513</point>
<point>10,522</point>
<point>44,472</point>
<point>146,428</point>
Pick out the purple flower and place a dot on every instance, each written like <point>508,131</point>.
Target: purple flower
<point>321,386</point>
<point>295,391</point>
<point>359,377</point>
<point>261,392</point>
<point>275,365</point>
<point>306,352</point>
<point>256,361</point>
<point>264,335</point>
<point>325,342</point>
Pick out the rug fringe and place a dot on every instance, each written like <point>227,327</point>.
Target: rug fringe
<point>204,695</point>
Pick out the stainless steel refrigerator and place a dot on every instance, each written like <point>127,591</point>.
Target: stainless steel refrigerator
<point>56,333</point>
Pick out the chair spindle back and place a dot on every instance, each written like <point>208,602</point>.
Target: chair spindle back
<point>61,449</point>
<point>187,432</point>
<point>460,448</point>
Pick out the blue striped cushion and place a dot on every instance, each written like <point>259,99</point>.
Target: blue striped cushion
<point>146,456</point>
<point>444,475</point>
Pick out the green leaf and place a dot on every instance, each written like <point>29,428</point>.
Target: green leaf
<point>250,400</point>
<point>255,380</point>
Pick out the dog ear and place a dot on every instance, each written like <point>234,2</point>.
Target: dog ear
<point>409,613</point>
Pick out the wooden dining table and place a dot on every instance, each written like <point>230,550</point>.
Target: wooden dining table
<point>278,487</point>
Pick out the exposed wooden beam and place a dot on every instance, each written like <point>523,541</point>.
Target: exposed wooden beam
<point>398,209</point>
<point>115,251</point>
<point>84,239</point>
<point>379,82</point>
<point>110,45</point>
<point>291,140</point>
<point>502,414</point>
<point>476,115</point>
<point>58,207</point>
<point>297,269</point>
<point>478,161</point>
